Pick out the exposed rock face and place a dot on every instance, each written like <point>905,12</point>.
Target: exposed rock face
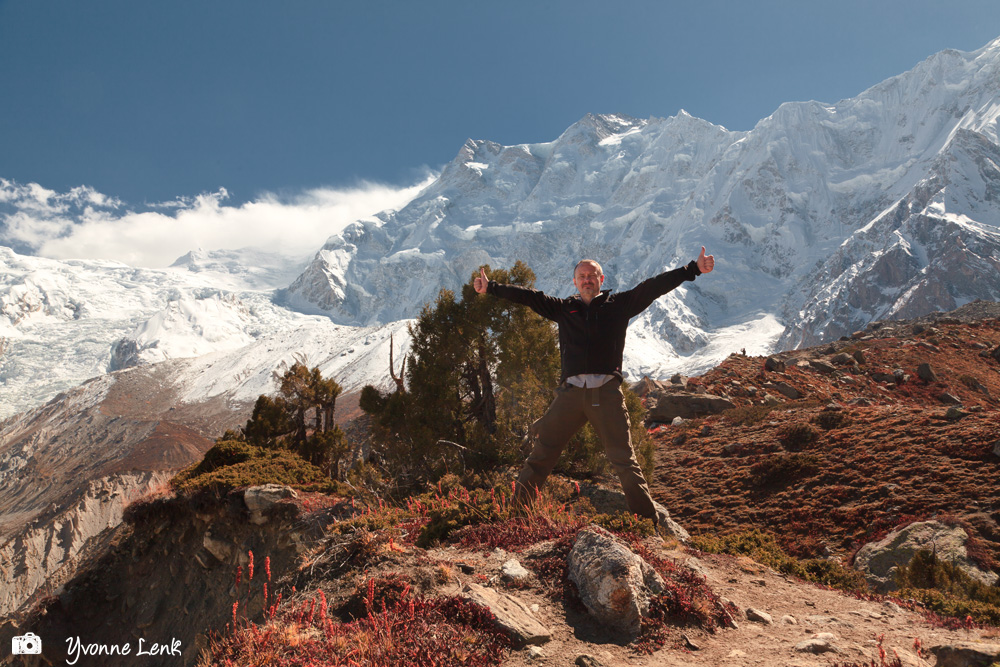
<point>261,499</point>
<point>880,560</point>
<point>168,575</point>
<point>69,468</point>
<point>46,552</point>
<point>614,583</point>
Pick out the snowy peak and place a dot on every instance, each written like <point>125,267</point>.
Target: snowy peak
<point>793,209</point>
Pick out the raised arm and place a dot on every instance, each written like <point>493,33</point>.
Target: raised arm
<point>543,304</point>
<point>646,292</point>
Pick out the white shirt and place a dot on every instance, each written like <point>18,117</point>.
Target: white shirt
<point>589,380</point>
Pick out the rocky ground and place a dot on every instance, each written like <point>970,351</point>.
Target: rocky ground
<point>898,423</point>
<point>828,448</point>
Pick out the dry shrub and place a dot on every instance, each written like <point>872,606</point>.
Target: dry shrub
<point>747,415</point>
<point>783,468</point>
<point>831,419</point>
<point>795,437</point>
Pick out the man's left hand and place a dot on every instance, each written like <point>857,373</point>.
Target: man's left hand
<point>705,262</point>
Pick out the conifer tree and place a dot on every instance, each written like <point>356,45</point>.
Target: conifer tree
<point>300,418</point>
<point>481,371</point>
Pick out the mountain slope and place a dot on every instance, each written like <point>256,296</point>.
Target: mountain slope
<point>788,208</point>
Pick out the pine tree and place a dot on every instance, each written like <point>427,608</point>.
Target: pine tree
<point>300,418</point>
<point>481,371</point>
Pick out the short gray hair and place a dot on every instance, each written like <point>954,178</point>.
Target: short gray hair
<point>600,271</point>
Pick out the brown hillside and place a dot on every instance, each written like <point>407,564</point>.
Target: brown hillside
<point>857,453</point>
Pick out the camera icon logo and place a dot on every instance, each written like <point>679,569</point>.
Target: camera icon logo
<point>27,644</point>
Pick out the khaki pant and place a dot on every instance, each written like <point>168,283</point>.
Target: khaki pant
<point>604,408</point>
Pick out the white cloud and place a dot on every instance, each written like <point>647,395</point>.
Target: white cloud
<point>85,224</point>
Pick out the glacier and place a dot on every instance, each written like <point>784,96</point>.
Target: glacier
<point>823,218</point>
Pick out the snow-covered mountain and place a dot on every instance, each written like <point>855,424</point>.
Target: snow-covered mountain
<point>822,218</point>
<point>63,322</point>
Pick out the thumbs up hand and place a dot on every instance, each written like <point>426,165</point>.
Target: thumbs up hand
<point>481,281</point>
<point>705,263</point>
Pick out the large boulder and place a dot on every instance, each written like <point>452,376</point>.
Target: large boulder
<point>615,584</point>
<point>966,654</point>
<point>687,406</point>
<point>878,561</point>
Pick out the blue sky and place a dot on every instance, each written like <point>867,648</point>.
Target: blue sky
<point>155,102</point>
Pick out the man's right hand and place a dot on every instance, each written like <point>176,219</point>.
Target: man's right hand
<point>481,282</point>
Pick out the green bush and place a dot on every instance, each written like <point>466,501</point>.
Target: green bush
<point>763,547</point>
<point>947,590</point>
<point>232,464</point>
<point>625,522</point>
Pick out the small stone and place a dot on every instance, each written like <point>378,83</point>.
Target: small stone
<point>822,620</point>
<point>949,399</point>
<point>588,661</point>
<point>690,645</point>
<point>822,367</point>
<point>758,582</point>
<point>843,359</point>
<point>774,364</point>
<point>535,652</point>
<point>954,414</point>
<point>758,616</point>
<point>784,389</point>
<point>789,620</point>
<point>513,572</point>
<point>735,447</point>
<point>926,373</point>
<point>222,550</point>
<point>893,607</point>
<point>859,357</point>
<point>677,421</point>
<point>900,375</point>
<point>816,645</point>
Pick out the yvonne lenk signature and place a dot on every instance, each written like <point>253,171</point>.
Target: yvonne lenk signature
<point>76,648</point>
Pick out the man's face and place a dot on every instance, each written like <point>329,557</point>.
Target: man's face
<point>588,280</point>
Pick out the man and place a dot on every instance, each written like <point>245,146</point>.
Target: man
<point>591,343</point>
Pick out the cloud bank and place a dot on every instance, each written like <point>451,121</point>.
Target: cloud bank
<point>86,224</point>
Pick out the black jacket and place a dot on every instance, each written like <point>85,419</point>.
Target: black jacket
<point>592,338</point>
